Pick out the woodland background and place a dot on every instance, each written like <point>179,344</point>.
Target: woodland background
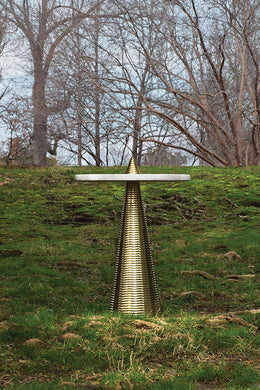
<point>169,82</point>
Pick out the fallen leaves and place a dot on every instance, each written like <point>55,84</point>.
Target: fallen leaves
<point>70,336</point>
<point>156,339</point>
<point>193,293</point>
<point>204,274</point>
<point>97,318</point>
<point>66,325</point>
<point>5,380</point>
<point>225,319</point>
<point>33,341</point>
<point>208,276</point>
<point>231,255</point>
<point>87,385</point>
<point>240,277</point>
<point>7,181</point>
<point>253,311</point>
<point>142,325</point>
<point>93,323</point>
<point>4,325</point>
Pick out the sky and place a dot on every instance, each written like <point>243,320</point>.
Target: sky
<point>14,68</point>
<point>14,79</point>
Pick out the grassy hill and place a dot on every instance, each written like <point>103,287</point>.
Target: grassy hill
<point>57,251</point>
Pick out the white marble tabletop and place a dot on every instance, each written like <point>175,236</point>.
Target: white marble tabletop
<point>132,177</point>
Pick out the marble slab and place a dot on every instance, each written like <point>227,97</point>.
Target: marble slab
<point>132,177</point>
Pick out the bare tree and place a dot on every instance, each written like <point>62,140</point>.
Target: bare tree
<point>81,69</point>
<point>2,40</point>
<point>163,156</point>
<point>184,74</point>
<point>45,24</point>
<point>17,116</point>
<point>131,77</point>
<point>207,72</point>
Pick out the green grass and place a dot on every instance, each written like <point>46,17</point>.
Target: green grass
<point>57,252</point>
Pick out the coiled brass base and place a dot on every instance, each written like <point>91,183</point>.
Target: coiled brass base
<point>134,288</point>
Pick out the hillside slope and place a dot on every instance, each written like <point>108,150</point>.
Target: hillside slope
<point>57,251</point>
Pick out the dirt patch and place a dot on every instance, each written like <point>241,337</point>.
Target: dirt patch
<point>10,252</point>
<point>80,219</point>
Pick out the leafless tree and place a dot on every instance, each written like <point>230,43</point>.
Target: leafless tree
<point>17,117</point>
<point>45,24</point>
<point>161,155</point>
<point>183,74</point>
<point>88,118</point>
<point>131,76</point>
<point>81,70</point>
<point>2,40</point>
<point>207,72</point>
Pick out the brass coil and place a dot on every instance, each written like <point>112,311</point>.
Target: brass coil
<point>134,289</point>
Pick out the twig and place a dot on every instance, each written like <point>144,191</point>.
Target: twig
<point>71,264</point>
<point>199,201</point>
<point>29,276</point>
<point>233,205</point>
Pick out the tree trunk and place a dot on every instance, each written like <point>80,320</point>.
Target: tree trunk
<point>79,129</point>
<point>40,144</point>
<point>97,136</point>
<point>137,143</point>
<point>97,93</point>
<point>79,151</point>
<point>40,119</point>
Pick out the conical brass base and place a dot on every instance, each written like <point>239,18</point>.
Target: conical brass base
<point>134,288</point>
